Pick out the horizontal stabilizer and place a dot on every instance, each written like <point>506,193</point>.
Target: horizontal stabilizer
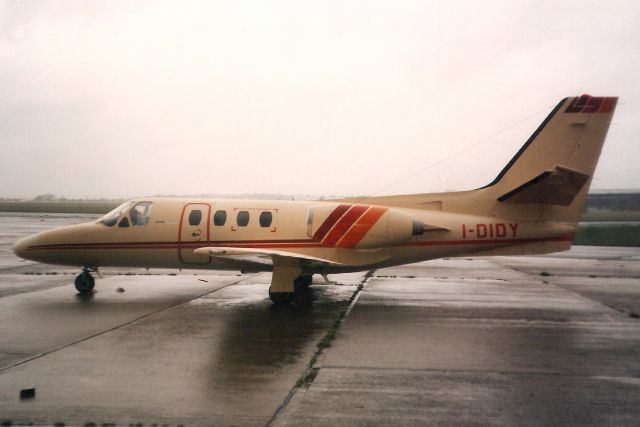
<point>558,186</point>
<point>263,256</point>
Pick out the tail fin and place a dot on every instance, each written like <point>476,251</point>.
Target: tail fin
<point>548,179</point>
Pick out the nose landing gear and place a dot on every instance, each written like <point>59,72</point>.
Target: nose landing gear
<point>84,281</point>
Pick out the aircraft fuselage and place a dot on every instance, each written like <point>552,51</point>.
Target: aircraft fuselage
<point>353,236</point>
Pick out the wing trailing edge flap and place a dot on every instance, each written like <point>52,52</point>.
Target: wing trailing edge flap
<point>264,256</point>
<point>558,186</point>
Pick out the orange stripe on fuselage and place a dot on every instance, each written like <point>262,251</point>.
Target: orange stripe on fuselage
<point>362,227</point>
<point>333,217</point>
<point>344,224</point>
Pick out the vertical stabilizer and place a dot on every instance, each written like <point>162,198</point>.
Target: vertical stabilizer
<point>548,179</point>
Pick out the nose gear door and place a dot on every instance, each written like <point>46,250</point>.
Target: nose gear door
<point>194,232</point>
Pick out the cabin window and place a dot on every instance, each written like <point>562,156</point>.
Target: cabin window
<point>265,219</point>
<point>139,214</point>
<point>124,222</point>
<point>219,218</point>
<point>195,217</point>
<point>243,218</point>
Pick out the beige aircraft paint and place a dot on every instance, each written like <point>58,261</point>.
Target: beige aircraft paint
<point>531,207</point>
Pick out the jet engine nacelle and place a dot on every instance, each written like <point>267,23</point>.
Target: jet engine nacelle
<point>393,227</point>
<point>361,226</point>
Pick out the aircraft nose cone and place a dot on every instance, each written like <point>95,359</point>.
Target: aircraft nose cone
<point>20,247</point>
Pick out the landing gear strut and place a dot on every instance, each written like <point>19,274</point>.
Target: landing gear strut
<point>84,281</point>
<point>288,282</point>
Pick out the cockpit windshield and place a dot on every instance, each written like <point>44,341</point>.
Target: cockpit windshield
<point>139,215</point>
<point>112,217</point>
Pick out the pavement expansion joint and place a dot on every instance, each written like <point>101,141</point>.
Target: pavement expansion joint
<point>585,298</point>
<point>311,372</point>
<point>54,350</point>
<point>480,369</point>
<point>547,280</point>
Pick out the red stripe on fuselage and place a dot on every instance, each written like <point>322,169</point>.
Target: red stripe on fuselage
<point>344,224</point>
<point>286,244</point>
<point>328,223</point>
<point>362,227</point>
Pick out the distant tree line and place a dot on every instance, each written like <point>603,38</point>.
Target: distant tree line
<point>49,197</point>
<point>614,201</point>
<point>610,201</point>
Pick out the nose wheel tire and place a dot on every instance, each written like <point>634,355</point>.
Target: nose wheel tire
<point>84,282</point>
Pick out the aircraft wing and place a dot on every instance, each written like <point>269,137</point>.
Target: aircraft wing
<point>263,256</point>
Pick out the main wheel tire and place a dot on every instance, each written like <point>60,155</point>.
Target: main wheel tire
<point>84,282</point>
<point>281,298</point>
<point>303,281</point>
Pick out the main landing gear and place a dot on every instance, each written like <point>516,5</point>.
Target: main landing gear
<point>281,298</point>
<point>286,283</point>
<point>84,281</point>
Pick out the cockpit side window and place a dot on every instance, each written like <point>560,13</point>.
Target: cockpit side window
<point>112,217</point>
<point>139,214</point>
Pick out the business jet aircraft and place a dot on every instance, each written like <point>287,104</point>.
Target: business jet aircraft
<point>532,207</point>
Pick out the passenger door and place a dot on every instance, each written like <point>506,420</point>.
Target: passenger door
<point>194,232</point>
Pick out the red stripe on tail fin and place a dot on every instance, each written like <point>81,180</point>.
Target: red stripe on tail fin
<point>591,104</point>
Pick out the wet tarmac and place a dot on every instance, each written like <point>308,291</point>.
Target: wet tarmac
<point>486,341</point>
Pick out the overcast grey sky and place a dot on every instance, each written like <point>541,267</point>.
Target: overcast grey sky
<point>121,99</point>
